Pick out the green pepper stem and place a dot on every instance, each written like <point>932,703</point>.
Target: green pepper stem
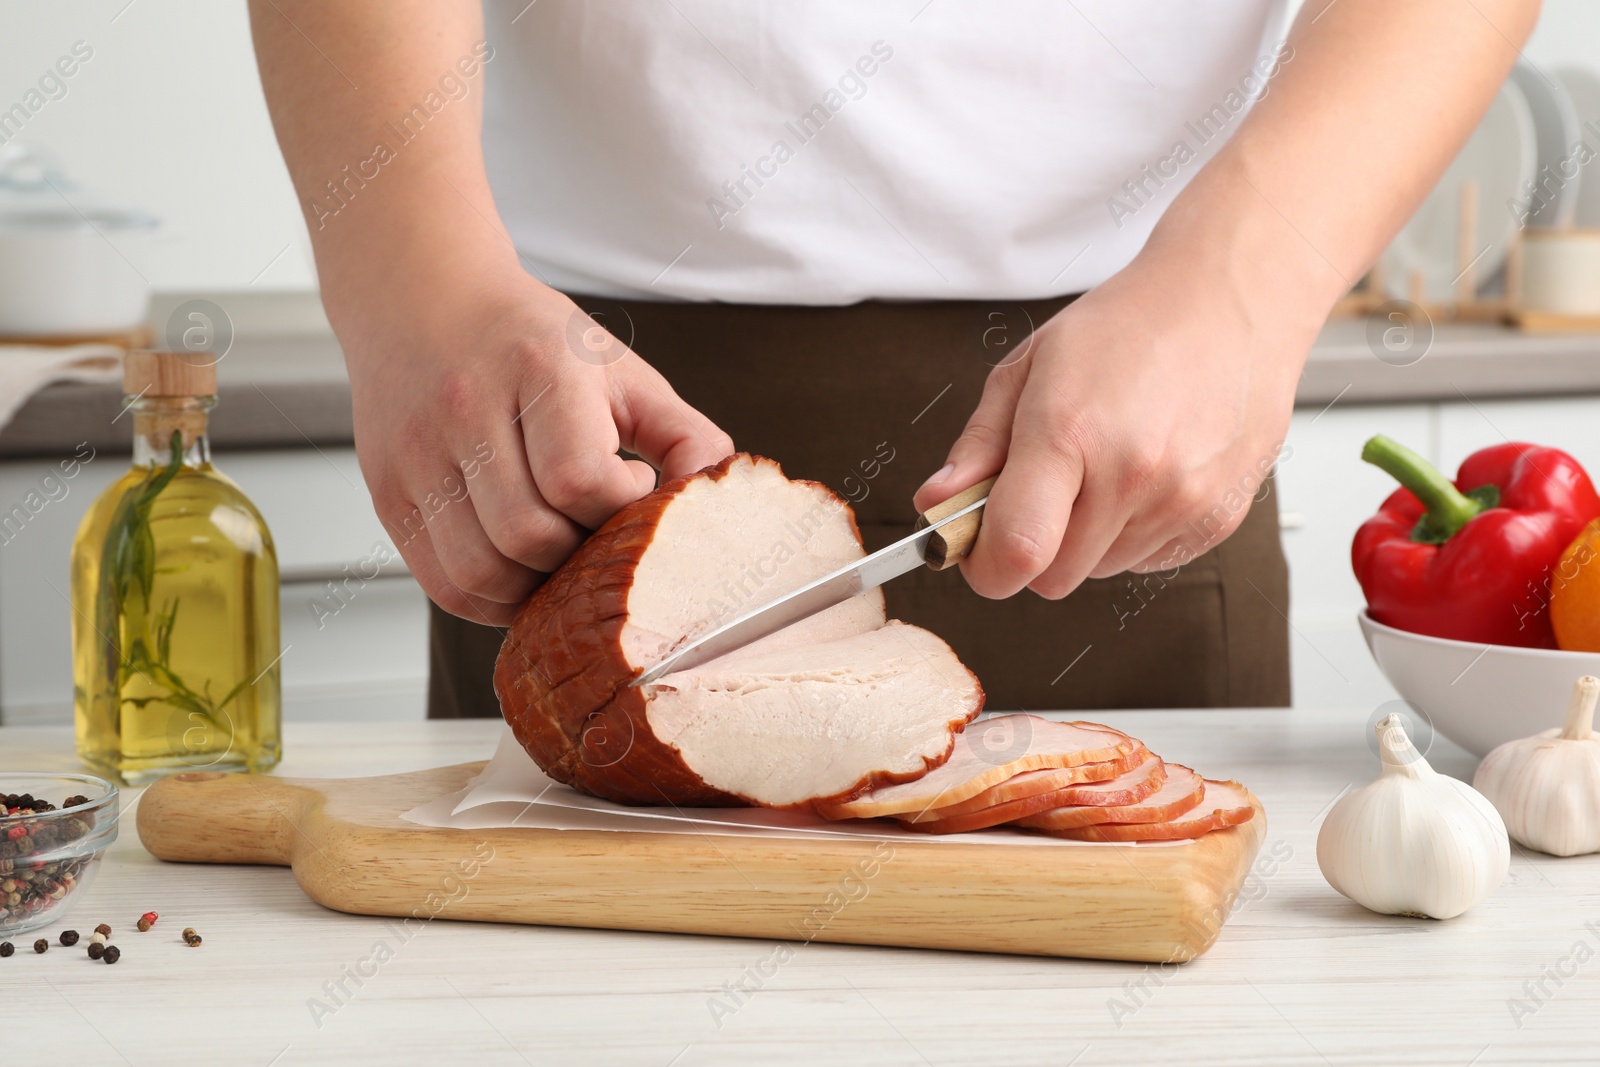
<point>1448,508</point>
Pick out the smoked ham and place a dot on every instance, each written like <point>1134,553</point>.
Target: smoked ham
<point>1127,789</point>
<point>1224,804</point>
<point>1032,784</point>
<point>836,704</point>
<point>986,754</point>
<point>1179,794</point>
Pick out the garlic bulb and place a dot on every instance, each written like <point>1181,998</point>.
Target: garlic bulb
<point>1413,841</point>
<point>1547,787</point>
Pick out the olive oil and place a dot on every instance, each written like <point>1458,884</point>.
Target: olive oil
<point>175,599</point>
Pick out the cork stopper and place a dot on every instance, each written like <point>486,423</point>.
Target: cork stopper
<point>147,373</point>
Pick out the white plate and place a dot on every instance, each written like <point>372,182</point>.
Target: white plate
<point>1555,126</point>
<point>1501,156</point>
<point>1583,87</point>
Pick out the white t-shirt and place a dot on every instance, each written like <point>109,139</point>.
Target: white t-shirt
<point>838,150</point>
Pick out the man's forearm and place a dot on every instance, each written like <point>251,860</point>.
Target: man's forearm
<point>378,108</point>
<point>1373,102</point>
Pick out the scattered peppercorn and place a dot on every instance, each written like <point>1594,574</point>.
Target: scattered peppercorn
<point>143,925</point>
<point>97,938</point>
<point>6,949</point>
<point>191,938</point>
<point>112,954</point>
<point>69,937</point>
<point>41,946</point>
<point>96,950</point>
<point>103,929</point>
<point>147,920</point>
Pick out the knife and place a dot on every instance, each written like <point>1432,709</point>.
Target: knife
<point>945,534</point>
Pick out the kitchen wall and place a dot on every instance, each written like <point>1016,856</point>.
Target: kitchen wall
<point>168,115</point>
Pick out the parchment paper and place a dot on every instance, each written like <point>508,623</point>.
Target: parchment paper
<point>512,791</point>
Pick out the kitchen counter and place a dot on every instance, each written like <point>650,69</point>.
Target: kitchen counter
<point>1299,976</point>
<point>1463,361</point>
<point>283,383</point>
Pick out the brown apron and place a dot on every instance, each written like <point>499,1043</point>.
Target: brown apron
<point>867,399</point>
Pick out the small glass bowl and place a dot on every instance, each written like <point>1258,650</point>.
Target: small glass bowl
<point>49,864</point>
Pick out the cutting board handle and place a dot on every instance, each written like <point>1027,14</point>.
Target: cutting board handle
<point>211,817</point>
<point>951,543</point>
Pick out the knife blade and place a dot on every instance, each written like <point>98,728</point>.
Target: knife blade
<point>944,536</point>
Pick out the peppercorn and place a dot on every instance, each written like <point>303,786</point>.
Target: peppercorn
<point>69,937</point>
<point>6,949</point>
<point>191,938</point>
<point>147,920</point>
<point>97,938</point>
<point>143,925</point>
<point>103,929</point>
<point>96,950</point>
<point>112,954</point>
<point>41,946</point>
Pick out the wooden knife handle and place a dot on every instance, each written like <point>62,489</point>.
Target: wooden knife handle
<point>951,543</point>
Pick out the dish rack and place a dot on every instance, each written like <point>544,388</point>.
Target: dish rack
<point>1469,305</point>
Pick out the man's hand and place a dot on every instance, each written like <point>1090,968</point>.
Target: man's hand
<point>1142,418</point>
<point>488,422</point>
<point>1130,433</point>
<point>488,409</point>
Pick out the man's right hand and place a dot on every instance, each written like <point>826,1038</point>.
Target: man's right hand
<point>488,421</point>
<point>489,409</point>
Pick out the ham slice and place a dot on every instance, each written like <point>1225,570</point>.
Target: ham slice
<point>839,703</point>
<point>985,755</point>
<point>1224,804</point>
<point>1128,789</point>
<point>1030,784</point>
<point>1178,794</point>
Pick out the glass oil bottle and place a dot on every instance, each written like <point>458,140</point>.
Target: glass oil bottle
<point>174,597</point>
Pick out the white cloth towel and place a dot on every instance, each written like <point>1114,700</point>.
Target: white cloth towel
<point>26,369</point>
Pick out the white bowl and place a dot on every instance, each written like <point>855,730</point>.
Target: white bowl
<point>1480,696</point>
<point>66,260</point>
<point>65,276</point>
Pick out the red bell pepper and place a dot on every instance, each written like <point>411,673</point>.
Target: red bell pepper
<point>1471,561</point>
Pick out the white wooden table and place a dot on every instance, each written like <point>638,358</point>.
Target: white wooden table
<point>1299,976</point>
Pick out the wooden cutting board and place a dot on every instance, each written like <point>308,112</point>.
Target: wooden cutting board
<point>351,851</point>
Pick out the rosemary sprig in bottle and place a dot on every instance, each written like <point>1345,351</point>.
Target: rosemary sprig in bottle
<point>133,647</point>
